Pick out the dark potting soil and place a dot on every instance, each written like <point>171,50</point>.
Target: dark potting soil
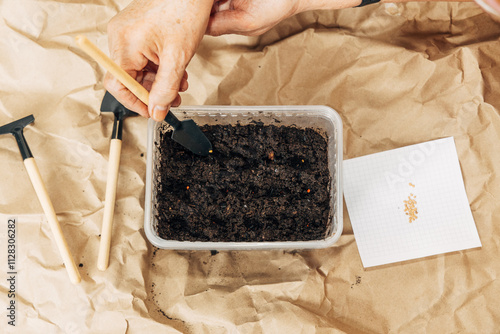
<point>261,183</point>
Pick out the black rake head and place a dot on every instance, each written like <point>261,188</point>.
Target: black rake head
<point>16,129</point>
<point>17,126</point>
<point>110,104</point>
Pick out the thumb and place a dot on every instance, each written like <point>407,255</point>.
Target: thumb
<point>226,22</point>
<point>165,88</point>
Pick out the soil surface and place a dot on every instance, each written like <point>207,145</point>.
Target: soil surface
<point>261,183</point>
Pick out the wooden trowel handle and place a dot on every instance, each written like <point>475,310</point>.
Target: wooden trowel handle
<point>109,204</point>
<point>100,57</point>
<point>48,209</point>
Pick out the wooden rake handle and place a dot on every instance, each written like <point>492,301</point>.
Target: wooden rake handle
<point>102,59</point>
<point>109,204</point>
<point>48,209</point>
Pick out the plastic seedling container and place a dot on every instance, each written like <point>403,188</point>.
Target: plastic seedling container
<point>322,118</point>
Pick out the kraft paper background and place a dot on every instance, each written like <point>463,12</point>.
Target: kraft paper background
<point>398,74</point>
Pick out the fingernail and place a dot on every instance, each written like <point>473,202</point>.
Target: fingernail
<point>158,112</point>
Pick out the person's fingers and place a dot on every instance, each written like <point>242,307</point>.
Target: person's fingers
<point>184,85</point>
<point>227,22</point>
<point>165,87</point>
<point>147,80</point>
<point>122,94</point>
<point>177,101</point>
<point>140,76</point>
<point>220,5</point>
<point>151,67</point>
<point>184,82</point>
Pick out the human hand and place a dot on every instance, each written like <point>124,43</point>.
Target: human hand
<point>248,17</point>
<point>154,41</point>
<point>255,17</point>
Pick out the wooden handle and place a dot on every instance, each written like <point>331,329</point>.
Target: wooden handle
<point>100,57</point>
<point>109,204</point>
<point>48,209</point>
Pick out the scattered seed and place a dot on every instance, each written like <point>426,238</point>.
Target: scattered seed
<point>411,208</point>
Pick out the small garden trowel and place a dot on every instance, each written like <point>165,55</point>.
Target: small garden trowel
<point>188,134</point>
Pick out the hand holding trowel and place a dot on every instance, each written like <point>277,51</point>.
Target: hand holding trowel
<point>186,133</point>
<point>16,129</point>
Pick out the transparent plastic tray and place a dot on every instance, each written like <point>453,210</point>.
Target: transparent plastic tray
<point>322,118</point>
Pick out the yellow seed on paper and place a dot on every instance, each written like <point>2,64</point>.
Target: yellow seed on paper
<point>411,208</point>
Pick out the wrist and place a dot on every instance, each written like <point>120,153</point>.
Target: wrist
<point>306,5</point>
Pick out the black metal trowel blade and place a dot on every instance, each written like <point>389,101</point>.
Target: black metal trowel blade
<point>188,134</point>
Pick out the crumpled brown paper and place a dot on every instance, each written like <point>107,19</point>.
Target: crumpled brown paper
<point>398,74</point>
